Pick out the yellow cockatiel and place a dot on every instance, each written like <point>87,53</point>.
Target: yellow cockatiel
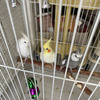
<point>48,53</point>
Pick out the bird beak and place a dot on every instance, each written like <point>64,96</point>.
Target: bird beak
<point>79,56</point>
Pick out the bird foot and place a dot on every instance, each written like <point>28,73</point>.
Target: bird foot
<point>17,58</point>
<point>61,68</point>
<point>71,71</point>
<point>52,65</point>
<point>25,60</point>
<point>23,68</point>
<point>27,91</point>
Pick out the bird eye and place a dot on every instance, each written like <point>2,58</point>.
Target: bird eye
<point>46,48</point>
<point>75,56</point>
<point>24,41</point>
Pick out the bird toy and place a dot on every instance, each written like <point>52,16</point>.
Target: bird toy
<point>32,88</point>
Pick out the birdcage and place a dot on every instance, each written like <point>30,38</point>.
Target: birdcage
<point>54,31</point>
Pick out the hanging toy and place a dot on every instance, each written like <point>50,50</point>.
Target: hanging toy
<point>13,3</point>
<point>32,88</point>
<point>45,4</point>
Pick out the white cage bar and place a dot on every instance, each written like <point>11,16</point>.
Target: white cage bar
<point>5,91</point>
<point>59,17</point>
<point>92,34</point>
<point>40,11</point>
<point>74,33</point>
<point>10,57</point>
<point>58,45</point>
<point>9,76</point>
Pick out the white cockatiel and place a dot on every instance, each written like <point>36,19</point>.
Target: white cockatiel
<point>23,43</point>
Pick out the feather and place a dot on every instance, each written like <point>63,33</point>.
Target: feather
<point>74,60</point>
<point>48,53</point>
<point>23,43</point>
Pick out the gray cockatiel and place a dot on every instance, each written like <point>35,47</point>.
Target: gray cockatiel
<point>75,60</point>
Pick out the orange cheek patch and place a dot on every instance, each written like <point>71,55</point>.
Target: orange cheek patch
<point>49,50</point>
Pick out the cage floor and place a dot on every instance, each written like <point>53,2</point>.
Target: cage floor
<point>57,89</point>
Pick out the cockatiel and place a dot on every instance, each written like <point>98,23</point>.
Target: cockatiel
<point>74,60</point>
<point>48,53</point>
<point>24,47</point>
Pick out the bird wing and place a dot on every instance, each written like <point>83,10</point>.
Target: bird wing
<point>73,64</point>
<point>17,46</point>
<point>48,57</point>
<point>64,61</point>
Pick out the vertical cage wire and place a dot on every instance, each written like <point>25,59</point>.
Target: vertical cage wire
<point>36,27</point>
<point>10,55</point>
<point>90,20</point>
<point>5,91</point>
<point>93,49</point>
<point>47,75</point>
<point>9,76</point>
<point>7,85</point>
<point>93,91</point>
<point>5,61</point>
<point>3,95</point>
<point>30,49</point>
<point>93,29</point>
<point>87,30</point>
<point>1,98</point>
<point>40,11</point>
<point>74,33</point>
<point>92,34</point>
<point>88,25</point>
<point>59,17</point>
<point>66,30</point>
<point>89,77</point>
<point>11,19</point>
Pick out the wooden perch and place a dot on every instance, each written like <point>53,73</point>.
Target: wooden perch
<point>96,74</point>
<point>69,75</point>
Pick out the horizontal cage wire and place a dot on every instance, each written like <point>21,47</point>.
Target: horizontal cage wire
<point>49,49</point>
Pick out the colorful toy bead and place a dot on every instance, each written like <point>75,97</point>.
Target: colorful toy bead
<point>31,84</point>
<point>33,92</point>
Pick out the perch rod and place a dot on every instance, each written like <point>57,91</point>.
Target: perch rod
<point>79,85</point>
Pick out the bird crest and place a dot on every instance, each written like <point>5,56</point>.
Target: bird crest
<point>47,44</point>
<point>25,37</point>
